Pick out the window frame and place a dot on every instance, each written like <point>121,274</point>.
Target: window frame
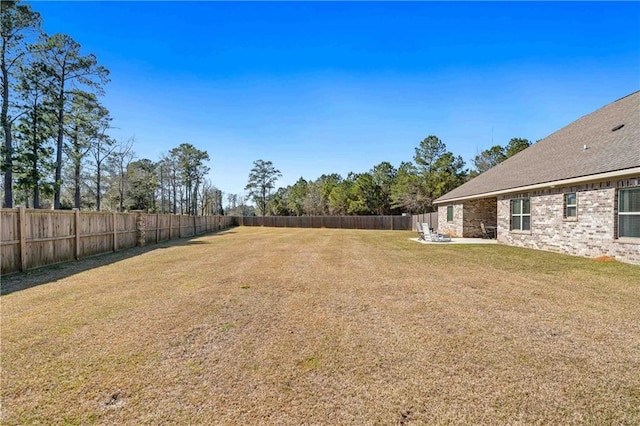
<point>567,206</point>
<point>520,216</point>
<point>449,213</point>
<point>624,213</point>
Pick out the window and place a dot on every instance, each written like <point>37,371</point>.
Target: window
<point>521,215</point>
<point>570,205</point>
<point>449,213</point>
<point>629,213</point>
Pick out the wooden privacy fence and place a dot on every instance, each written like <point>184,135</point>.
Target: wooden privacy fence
<point>342,222</point>
<point>164,227</point>
<point>34,238</point>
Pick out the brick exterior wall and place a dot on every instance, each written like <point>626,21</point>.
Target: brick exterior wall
<point>591,234</point>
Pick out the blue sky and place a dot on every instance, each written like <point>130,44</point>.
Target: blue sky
<point>337,87</point>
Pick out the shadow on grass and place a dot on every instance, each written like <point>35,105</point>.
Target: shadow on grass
<point>46,274</point>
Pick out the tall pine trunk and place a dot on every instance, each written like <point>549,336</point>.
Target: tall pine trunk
<point>60,142</point>
<point>173,187</point>
<point>121,194</point>
<point>98,189</point>
<point>161,190</point>
<point>36,186</point>
<point>34,164</point>
<point>76,170</point>
<point>195,198</point>
<point>8,143</point>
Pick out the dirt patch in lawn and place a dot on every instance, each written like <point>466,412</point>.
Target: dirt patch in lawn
<point>290,326</point>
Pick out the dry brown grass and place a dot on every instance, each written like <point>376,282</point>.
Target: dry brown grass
<point>291,326</point>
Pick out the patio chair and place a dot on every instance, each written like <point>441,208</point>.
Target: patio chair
<point>487,233</point>
<point>434,236</point>
<point>420,231</point>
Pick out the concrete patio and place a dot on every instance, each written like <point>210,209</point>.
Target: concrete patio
<point>458,241</point>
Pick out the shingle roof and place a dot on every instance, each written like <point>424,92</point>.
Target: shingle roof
<point>562,155</point>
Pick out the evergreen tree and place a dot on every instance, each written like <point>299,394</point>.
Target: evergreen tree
<point>101,149</point>
<point>68,70</point>
<point>497,154</point>
<point>439,169</point>
<point>82,127</point>
<point>262,179</point>
<point>33,157</point>
<point>143,183</point>
<point>17,22</point>
<point>191,168</point>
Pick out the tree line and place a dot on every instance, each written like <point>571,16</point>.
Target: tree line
<point>384,190</point>
<point>56,148</point>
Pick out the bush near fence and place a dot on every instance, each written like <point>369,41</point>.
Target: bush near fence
<point>34,238</point>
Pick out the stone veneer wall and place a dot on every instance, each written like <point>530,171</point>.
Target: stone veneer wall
<point>454,228</point>
<point>591,234</point>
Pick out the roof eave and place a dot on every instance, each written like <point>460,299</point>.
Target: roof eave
<point>551,184</point>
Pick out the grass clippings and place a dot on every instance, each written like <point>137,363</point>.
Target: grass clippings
<point>360,327</point>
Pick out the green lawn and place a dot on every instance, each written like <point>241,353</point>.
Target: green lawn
<point>319,326</point>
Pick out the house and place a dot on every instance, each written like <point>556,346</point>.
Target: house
<point>576,191</point>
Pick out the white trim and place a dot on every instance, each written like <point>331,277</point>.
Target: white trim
<point>520,215</point>
<point>629,213</point>
<point>552,184</point>
<point>567,206</point>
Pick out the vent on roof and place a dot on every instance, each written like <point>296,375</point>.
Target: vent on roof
<point>617,127</point>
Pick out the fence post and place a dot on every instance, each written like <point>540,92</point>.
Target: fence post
<point>76,227</point>
<point>157,226</point>
<point>115,231</point>
<point>22,214</point>
<point>180,226</point>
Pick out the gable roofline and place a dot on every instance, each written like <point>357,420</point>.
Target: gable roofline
<point>626,96</point>
<point>552,184</point>
<point>602,143</point>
